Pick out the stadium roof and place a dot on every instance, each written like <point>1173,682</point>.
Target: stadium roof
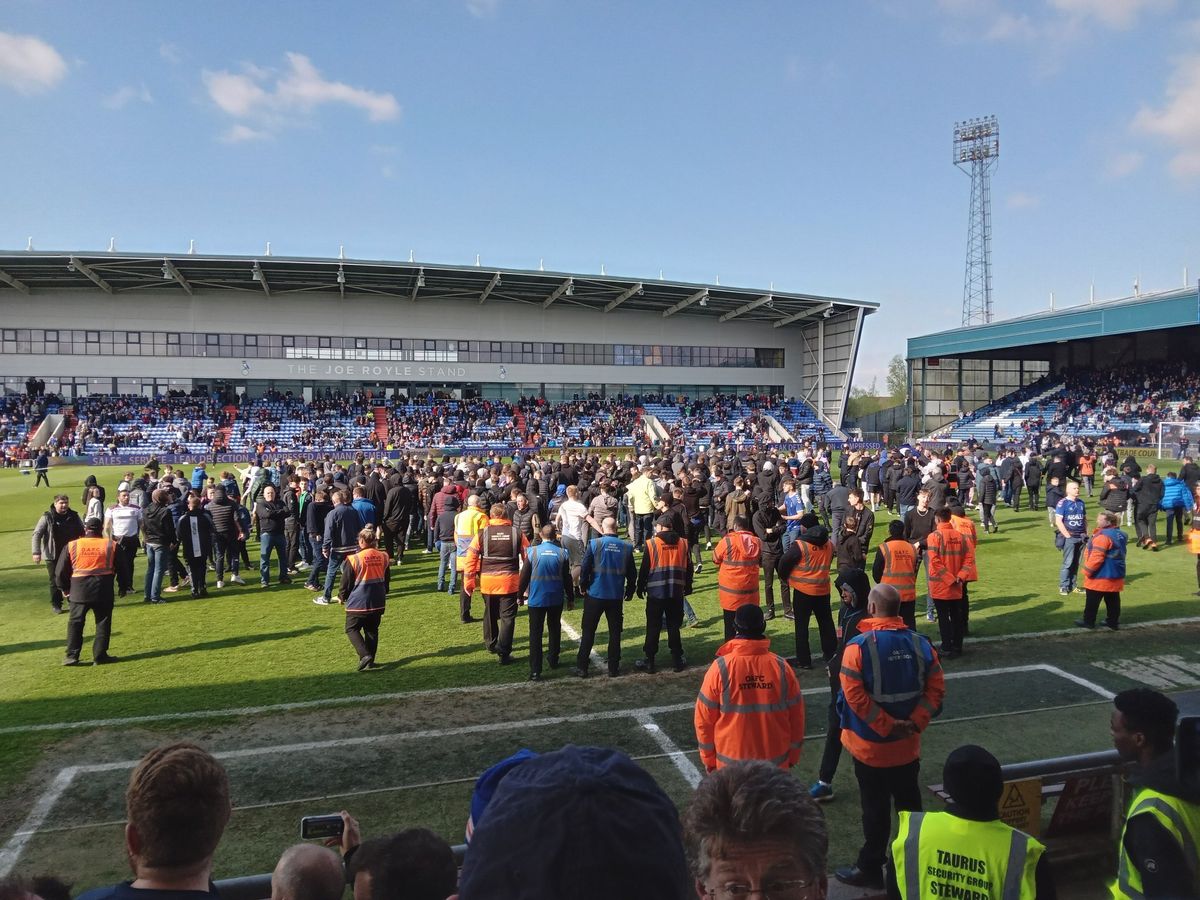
<point>29,272</point>
<point>1026,337</point>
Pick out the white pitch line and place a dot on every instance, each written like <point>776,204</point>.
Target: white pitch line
<point>569,631</point>
<point>1083,682</point>
<point>1062,632</point>
<point>41,809</point>
<point>685,766</point>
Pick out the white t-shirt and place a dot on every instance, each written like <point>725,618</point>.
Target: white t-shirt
<point>572,519</point>
<point>124,521</point>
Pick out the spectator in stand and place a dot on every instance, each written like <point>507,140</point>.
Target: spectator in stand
<point>177,806</point>
<point>414,864</point>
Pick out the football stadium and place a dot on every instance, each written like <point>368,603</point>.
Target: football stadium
<point>387,575</point>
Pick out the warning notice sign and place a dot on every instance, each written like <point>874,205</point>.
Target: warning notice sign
<point>1084,806</point>
<point>1021,805</point>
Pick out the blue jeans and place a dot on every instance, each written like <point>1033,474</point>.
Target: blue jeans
<point>269,543</point>
<point>904,510</point>
<point>1072,551</point>
<point>319,563</point>
<point>335,566</point>
<point>306,547</point>
<point>156,568</point>
<point>225,552</point>
<point>789,538</point>
<point>446,562</point>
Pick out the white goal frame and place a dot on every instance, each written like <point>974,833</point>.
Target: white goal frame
<point>1169,434</point>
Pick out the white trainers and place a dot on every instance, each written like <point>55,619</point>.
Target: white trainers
<point>320,601</point>
<point>220,583</point>
<point>237,579</point>
<point>301,566</point>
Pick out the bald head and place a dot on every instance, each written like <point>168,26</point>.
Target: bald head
<point>883,601</point>
<point>609,525</point>
<point>308,872</point>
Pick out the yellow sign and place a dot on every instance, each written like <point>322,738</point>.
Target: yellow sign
<point>1021,805</point>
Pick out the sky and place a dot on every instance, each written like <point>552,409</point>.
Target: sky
<point>801,144</point>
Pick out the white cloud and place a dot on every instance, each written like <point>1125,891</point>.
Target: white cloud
<point>28,64</point>
<point>1122,164</point>
<point>170,52</point>
<point>483,9</point>
<point>1117,14</point>
<point>240,133</point>
<point>1023,200</point>
<point>1177,121</point>
<point>271,100</point>
<point>123,96</point>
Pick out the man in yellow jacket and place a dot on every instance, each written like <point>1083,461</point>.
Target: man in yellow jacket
<point>467,524</point>
<point>750,705</point>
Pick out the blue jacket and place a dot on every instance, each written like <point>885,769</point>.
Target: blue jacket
<point>895,664</point>
<point>548,574</point>
<point>199,477</point>
<point>342,526</point>
<point>609,572</point>
<point>1175,495</point>
<point>366,577</point>
<point>366,510</point>
<point>1114,560</point>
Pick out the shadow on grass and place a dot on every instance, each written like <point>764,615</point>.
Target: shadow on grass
<point>10,649</point>
<point>224,643</point>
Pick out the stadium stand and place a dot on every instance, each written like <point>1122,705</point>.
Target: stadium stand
<point>1085,403</point>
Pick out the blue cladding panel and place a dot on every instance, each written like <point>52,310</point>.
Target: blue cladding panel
<point>1069,325</point>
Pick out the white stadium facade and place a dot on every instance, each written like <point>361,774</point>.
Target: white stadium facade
<point>109,323</point>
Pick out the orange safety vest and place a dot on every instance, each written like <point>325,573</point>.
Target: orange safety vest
<point>495,555</point>
<point>92,556</point>
<point>948,552</point>
<point>810,576</point>
<point>1194,541</point>
<point>737,557</point>
<point>749,707</point>
<point>900,568</point>
<point>966,528</point>
<point>667,574</point>
<point>369,593</point>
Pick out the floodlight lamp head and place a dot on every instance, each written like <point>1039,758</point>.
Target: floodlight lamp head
<point>255,272</point>
<point>703,300</point>
<point>166,271</point>
<point>341,275</point>
<point>421,277</point>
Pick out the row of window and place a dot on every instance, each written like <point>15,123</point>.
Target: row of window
<point>275,346</point>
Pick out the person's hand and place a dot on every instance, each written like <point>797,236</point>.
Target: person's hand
<point>351,835</point>
<point>325,553</point>
<point>904,727</point>
<point>37,557</point>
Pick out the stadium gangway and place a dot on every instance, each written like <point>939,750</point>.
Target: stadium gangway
<point>258,887</point>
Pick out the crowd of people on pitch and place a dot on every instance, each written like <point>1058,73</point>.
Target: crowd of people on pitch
<point>589,822</point>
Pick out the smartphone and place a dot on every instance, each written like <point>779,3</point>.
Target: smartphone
<point>313,828</point>
<point>1187,751</point>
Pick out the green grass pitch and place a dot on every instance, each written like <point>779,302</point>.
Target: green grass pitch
<point>247,647</point>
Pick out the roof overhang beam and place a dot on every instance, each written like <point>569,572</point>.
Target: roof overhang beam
<point>82,268</point>
<point>701,294</point>
<point>818,310</point>
<point>623,296</point>
<point>747,307</point>
<point>14,282</point>
<point>567,287</point>
<point>257,274</point>
<point>169,271</point>
<point>491,286</point>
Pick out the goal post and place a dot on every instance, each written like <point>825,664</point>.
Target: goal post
<point>1178,439</point>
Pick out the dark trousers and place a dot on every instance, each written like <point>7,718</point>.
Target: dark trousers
<point>950,624</point>
<point>363,631</point>
<point>42,478</point>
<point>878,789</point>
<point>320,564</point>
<point>1146,524</point>
<point>1112,607</point>
<point>542,618</point>
<point>291,544</point>
<point>1016,497</point>
<point>198,569</point>
<point>56,597</point>
<point>769,562</point>
<point>102,612</point>
<point>464,603</point>
<point>806,607</point>
<point>175,568</point>
<point>908,612</point>
<point>988,515</point>
<point>832,754</point>
<point>656,610</point>
<point>499,619</point>
<point>966,608</point>
<point>1034,495</point>
<point>1175,518</point>
<point>127,548</point>
<point>643,530</point>
<point>614,616</point>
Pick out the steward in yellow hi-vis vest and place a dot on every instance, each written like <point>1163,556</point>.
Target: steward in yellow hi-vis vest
<point>967,851</point>
<point>1160,841</point>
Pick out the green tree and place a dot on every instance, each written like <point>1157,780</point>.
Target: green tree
<point>897,379</point>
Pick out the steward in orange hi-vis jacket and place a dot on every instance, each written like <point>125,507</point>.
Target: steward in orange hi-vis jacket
<point>494,561</point>
<point>750,705</point>
<point>951,563</point>
<point>737,557</point>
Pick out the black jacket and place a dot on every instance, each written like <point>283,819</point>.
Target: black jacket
<point>398,506</point>
<point>270,516</point>
<point>1033,474</point>
<point>205,532</point>
<point>224,518</point>
<point>1114,496</point>
<point>159,525</point>
<point>1148,493</point>
<point>769,525</point>
<point>1151,848</point>
<point>53,532</point>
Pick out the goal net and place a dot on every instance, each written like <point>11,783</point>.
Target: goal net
<point>1178,439</point>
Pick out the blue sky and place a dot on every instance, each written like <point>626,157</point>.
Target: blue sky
<point>801,143</point>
